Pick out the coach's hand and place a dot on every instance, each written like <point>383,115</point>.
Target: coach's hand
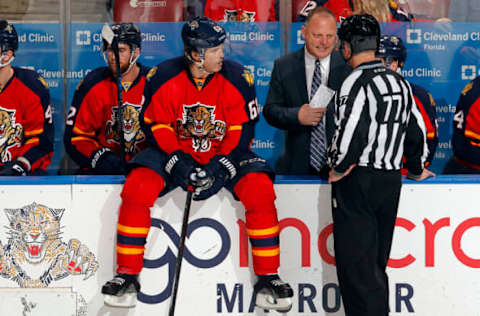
<point>310,116</point>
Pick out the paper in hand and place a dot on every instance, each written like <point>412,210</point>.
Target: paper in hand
<point>322,97</point>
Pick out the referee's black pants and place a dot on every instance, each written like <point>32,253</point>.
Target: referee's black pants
<point>364,209</point>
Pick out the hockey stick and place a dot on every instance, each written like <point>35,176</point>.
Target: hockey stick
<point>181,247</point>
<point>109,36</point>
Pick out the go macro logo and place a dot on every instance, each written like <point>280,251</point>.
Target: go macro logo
<point>169,257</point>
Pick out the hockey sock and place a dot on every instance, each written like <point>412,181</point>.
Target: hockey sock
<point>255,191</point>
<point>140,191</point>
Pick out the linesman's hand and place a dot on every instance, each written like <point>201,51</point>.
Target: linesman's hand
<point>334,178</point>
<point>425,174</point>
<point>310,116</point>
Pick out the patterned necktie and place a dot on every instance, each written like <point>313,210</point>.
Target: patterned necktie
<point>318,152</point>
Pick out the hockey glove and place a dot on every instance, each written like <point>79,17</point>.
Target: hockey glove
<point>219,170</point>
<point>13,168</point>
<point>180,166</point>
<point>104,161</point>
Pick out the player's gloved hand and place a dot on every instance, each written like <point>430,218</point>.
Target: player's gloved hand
<point>105,161</point>
<point>13,168</point>
<point>180,166</point>
<point>218,171</point>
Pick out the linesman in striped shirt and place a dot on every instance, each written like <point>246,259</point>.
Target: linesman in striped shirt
<point>377,122</point>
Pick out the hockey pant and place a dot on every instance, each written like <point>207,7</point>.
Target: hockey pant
<point>141,189</point>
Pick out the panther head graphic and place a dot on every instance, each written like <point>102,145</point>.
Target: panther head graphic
<point>34,228</point>
<point>199,124</point>
<point>200,121</point>
<point>230,16</point>
<point>35,241</point>
<point>10,133</point>
<point>132,132</point>
<point>246,16</point>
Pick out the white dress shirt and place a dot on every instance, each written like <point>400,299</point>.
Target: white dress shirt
<point>310,68</point>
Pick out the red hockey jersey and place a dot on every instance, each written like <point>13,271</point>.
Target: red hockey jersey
<point>92,119</point>
<point>466,126</point>
<point>148,10</point>
<point>426,105</point>
<point>241,10</point>
<point>218,119</point>
<point>26,123</point>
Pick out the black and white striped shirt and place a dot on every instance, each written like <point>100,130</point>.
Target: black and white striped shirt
<point>377,122</point>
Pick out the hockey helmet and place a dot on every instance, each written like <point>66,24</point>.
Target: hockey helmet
<point>8,37</point>
<point>202,33</point>
<point>127,33</point>
<point>361,31</point>
<point>391,46</point>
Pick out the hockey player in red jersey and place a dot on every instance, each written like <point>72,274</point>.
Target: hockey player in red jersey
<point>200,114</point>
<point>92,132</point>
<point>26,122</point>
<point>466,132</point>
<point>393,53</point>
<point>241,10</point>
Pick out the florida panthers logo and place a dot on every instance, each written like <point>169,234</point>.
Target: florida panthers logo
<point>238,16</point>
<point>11,133</point>
<point>35,255</point>
<point>132,133</point>
<point>199,124</point>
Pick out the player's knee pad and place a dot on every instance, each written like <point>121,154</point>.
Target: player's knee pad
<point>255,191</point>
<point>142,186</point>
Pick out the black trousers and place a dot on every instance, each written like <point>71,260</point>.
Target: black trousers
<point>364,209</point>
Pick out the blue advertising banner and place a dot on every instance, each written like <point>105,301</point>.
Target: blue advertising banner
<point>442,58</point>
<point>40,48</point>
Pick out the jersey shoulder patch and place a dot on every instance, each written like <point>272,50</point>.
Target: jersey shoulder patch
<point>93,77</point>
<point>32,80</point>
<point>240,77</point>
<point>163,72</point>
<point>467,88</point>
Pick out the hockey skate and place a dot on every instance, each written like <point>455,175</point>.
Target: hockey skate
<point>273,294</point>
<point>121,291</point>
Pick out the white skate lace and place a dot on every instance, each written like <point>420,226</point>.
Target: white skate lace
<point>277,282</point>
<point>118,281</point>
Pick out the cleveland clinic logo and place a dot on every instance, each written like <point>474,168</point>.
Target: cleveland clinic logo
<point>469,72</point>
<point>83,37</point>
<point>300,40</point>
<point>414,36</point>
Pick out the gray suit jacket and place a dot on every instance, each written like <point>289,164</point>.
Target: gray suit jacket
<point>286,94</point>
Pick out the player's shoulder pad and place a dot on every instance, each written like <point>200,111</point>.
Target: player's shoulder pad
<point>32,80</point>
<point>422,94</point>
<point>240,77</point>
<point>472,87</point>
<point>93,78</point>
<point>163,72</point>
<point>144,70</point>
